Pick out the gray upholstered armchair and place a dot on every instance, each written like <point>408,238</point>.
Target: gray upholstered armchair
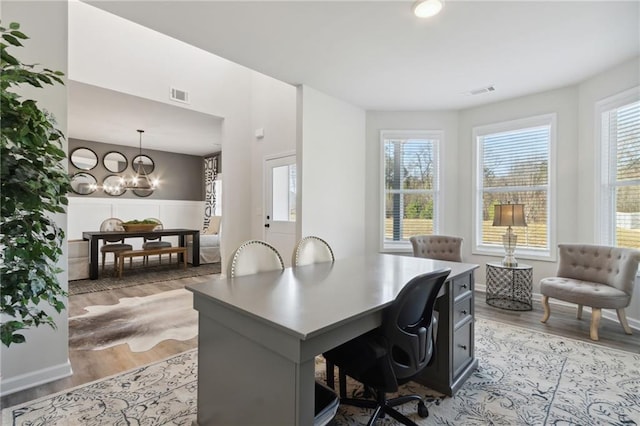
<point>598,276</point>
<point>439,247</point>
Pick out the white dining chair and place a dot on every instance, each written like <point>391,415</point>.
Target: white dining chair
<point>254,256</point>
<point>311,250</point>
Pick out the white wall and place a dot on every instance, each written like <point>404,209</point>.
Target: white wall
<point>614,81</point>
<point>331,171</point>
<point>562,102</point>
<point>273,109</point>
<point>24,365</point>
<point>106,58</point>
<point>445,121</point>
<point>576,151</point>
<point>86,214</point>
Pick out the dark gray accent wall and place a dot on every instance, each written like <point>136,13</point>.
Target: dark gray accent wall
<point>181,175</point>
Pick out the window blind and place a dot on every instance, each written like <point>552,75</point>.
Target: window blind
<point>515,168</point>
<point>622,167</point>
<point>410,188</point>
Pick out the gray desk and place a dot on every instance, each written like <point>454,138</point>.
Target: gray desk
<point>259,334</point>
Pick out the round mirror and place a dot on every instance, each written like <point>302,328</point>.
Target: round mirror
<point>142,162</point>
<point>112,185</point>
<point>143,192</point>
<point>83,158</point>
<point>83,183</point>
<point>115,162</point>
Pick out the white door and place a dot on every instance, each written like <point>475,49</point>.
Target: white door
<point>280,205</point>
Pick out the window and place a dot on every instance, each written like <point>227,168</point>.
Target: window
<point>410,179</point>
<point>619,134</point>
<point>284,193</point>
<point>514,164</point>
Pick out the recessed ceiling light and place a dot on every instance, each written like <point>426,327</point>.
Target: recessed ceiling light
<point>427,8</point>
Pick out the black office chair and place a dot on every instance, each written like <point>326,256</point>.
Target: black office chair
<point>395,352</point>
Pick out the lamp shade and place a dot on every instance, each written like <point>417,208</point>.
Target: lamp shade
<point>509,215</point>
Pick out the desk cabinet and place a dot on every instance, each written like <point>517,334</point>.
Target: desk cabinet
<point>454,358</point>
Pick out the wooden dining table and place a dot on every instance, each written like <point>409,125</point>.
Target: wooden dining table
<point>95,236</point>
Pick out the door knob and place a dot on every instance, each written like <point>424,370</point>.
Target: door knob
<point>266,225</point>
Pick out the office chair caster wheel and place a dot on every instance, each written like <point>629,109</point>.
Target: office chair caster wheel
<point>422,410</point>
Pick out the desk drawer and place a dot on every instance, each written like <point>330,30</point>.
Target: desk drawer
<point>462,347</point>
<point>461,311</point>
<point>461,285</point>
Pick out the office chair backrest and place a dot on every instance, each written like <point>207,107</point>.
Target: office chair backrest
<point>408,323</point>
<point>311,250</point>
<point>254,256</point>
<point>439,247</point>
<point>112,224</point>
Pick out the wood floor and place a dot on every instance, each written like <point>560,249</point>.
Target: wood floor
<point>89,366</point>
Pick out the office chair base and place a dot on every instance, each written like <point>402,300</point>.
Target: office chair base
<point>385,407</point>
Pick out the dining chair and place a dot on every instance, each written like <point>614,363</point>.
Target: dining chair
<point>395,352</point>
<point>113,244</point>
<point>254,256</point>
<point>311,250</point>
<point>438,247</point>
<point>150,243</point>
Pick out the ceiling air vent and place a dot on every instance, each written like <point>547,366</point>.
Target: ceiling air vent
<point>179,95</point>
<point>482,90</point>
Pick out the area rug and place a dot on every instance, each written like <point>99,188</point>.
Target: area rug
<point>140,274</point>
<point>140,322</point>
<point>524,378</point>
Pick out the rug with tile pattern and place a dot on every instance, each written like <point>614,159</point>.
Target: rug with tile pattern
<point>524,378</point>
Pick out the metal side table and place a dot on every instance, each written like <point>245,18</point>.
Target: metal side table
<point>509,287</point>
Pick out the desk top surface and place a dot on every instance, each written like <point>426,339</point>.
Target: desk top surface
<point>307,300</point>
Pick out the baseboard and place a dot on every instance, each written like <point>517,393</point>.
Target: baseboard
<point>35,378</point>
<point>606,313</point>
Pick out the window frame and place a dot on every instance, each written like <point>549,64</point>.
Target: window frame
<point>477,247</point>
<point>605,229</point>
<point>438,135</point>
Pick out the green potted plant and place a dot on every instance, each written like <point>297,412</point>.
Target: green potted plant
<point>34,184</point>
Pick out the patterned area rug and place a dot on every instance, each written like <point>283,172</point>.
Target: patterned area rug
<point>140,274</point>
<point>524,378</point>
<point>140,322</point>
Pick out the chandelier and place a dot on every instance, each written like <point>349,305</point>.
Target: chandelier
<point>140,180</point>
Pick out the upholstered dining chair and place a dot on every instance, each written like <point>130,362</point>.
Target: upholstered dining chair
<point>150,243</point>
<point>438,247</point>
<point>254,256</point>
<point>311,250</point>
<point>395,352</point>
<point>113,245</point>
<point>601,277</point>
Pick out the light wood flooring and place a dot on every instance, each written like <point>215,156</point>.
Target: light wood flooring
<point>89,366</point>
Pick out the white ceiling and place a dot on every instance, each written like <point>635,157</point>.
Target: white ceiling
<point>379,56</point>
<point>106,116</point>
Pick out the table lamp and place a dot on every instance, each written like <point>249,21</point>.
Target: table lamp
<point>509,215</point>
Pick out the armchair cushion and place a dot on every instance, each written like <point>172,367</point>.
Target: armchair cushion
<point>584,293</point>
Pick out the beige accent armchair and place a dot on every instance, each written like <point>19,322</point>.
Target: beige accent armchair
<point>439,247</point>
<point>598,276</point>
